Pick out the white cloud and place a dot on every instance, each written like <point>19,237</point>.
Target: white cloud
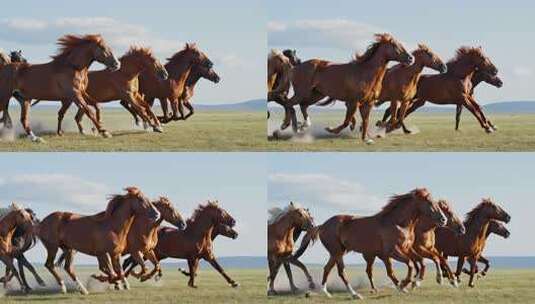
<point>56,191</point>
<point>322,190</point>
<point>328,33</point>
<point>118,34</point>
<point>522,71</point>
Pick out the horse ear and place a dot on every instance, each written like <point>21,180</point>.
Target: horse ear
<point>292,204</point>
<point>132,190</point>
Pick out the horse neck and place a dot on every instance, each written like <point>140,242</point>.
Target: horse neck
<point>200,230</point>
<point>193,78</point>
<point>283,227</point>
<point>129,68</point>
<point>7,228</point>
<point>415,69</point>
<point>461,69</point>
<point>403,216</point>
<point>178,69</point>
<point>425,225</point>
<point>121,221</point>
<point>478,228</point>
<point>476,79</point>
<point>377,63</point>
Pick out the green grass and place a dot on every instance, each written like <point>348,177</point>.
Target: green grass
<point>212,288</point>
<point>204,131</point>
<point>436,133</point>
<point>499,286</point>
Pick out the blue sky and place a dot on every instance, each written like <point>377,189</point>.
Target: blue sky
<point>335,29</point>
<point>360,183</point>
<point>233,36</point>
<point>80,182</point>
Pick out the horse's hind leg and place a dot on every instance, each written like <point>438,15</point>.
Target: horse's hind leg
<point>154,260</point>
<point>326,270</point>
<point>24,262</point>
<point>49,264</point>
<point>190,108</point>
<point>288,270</point>
<point>61,114</point>
<point>458,113</point>
<point>70,271</point>
<point>369,269</point>
<point>365,110</point>
<point>390,270</point>
<point>351,108</point>
<point>274,266</point>
<point>84,107</point>
<point>125,105</point>
<point>9,264</point>
<point>341,273</point>
<point>302,266</point>
<point>25,121</point>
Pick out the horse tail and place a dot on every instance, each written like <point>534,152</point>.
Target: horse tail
<point>329,101</point>
<point>311,235</point>
<point>36,102</point>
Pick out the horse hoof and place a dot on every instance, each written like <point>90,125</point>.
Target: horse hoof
<point>235,284</point>
<point>357,296</point>
<point>276,134</point>
<point>312,285</point>
<point>271,293</point>
<point>369,141</point>
<point>416,284</point>
<point>495,128</point>
<point>373,291</point>
<point>157,129</point>
<point>454,283</point>
<point>439,280</point>
<point>63,288</point>
<point>106,134</point>
<point>489,130</point>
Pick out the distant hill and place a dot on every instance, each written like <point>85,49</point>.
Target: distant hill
<point>249,105</point>
<point>241,262</point>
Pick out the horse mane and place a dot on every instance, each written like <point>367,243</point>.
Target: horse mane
<point>464,52</point>
<point>5,211</point>
<point>471,216</point>
<point>115,200</point>
<point>68,43</point>
<point>422,48</point>
<point>398,200</point>
<point>445,206</point>
<point>200,210</point>
<point>372,48</point>
<point>135,50</point>
<point>274,53</point>
<point>276,213</point>
<point>178,55</point>
<point>5,58</point>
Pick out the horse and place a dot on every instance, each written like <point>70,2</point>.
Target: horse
<point>498,229</point>
<point>424,244</point>
<point>23,240</point>
<point>357,83</point>
<point>455,86</point>
<point>282,227</point>
<point>471,244</point>
<point>17,217</point>
<point>122,84</point>
<point>103,235</point>
<point>387,234</point>
<point>14,56</point>
<point>179,67</point>
<point>64,78</point>
<point>197,72</point>
<point>279,67</point>
<point>195,242</point>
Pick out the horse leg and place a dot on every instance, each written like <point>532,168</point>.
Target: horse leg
<point>404,258</point>
<point>274,267</point>
<point>326,270</point>
<point>138,258</point>
<point>24,262</point>
<point>82,105</point>
<point>458,112</point>
<point>116,264</point>
<point>472,261</point>
<point>487,265</point>
<point>49,264</point>
<point>288,270</point>
<point>61,114</point>
<point>9,264</point>
<point>401,116</point>
<point>386,114</point>
<point>370,258</point>
<point>478,109</point>
<point>70,271</point>
<point>394,108</point>
<point>390,270</point>
<point>341,273</point>
<point>78,119</point>
<point>460,264</point>
<point>131,111</point>
<point>154,260</point>
<point>302,266</point>
<point>25,121</point>
<point>193,266</point>
<point>365,110</point>
<point>156,127</point>
<point>351,109</point>
<point>467,104</point>
<point>180,109</point>
<point>97,115</point>
<point>22,274</point>
<point>190,108</point>
<point>219,269</point>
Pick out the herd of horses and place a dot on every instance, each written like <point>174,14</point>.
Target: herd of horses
<point>410,228</point>
<point>130,225</point>
<point>367,81</point>
<point>136,79</point>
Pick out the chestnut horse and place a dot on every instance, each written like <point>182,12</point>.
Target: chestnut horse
<point>179,67</point>
<point>14,56</point>
<point>471,244</point>
<point>499,229</point>
<point>103,235</point>
<point>278,83</point>
<point>282,227</point>
<point>15,218</point>
<point>64,78</point>
<point>23,240</point>
<point>424,244</point>
<point>195,242</point>
<point>357,83</point>
<point>387,234</point>
<point>455,86</point>
<point>105,86</point>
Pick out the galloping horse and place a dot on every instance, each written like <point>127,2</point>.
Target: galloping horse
<point>283,227</point>
<point>14,56</point>
<point>179,67</point>
<point>424,244</point>
<point>387,234</point>
<point>471,244</point>
<point>9,222</point>
<point>455,86</point>
<point>64,78</point>
<point>357,83</point>
<point>105,86</point>
<point>195,242</point>
<point>498,229</point>
<point>103,235</point>
<point>280,65</point>
<point>23,240</point>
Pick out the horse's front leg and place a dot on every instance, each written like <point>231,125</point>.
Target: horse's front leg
<point>193,265</point>
<point>24,262</point>
<point>84,107</point>
<point>365,111</point>
<point>25,121</point>
<point>155,262</point>
<point>190,109</point>
<point>212,260</point>
<point>351,109</point>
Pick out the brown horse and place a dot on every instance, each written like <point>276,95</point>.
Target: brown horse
<point>387,234</point>
<point>64,78</point>
<point>471,244</point>
<point>424,244</point>
<point>179,67</point>
<point>106,85</point>
<point>455,86</point>
<point>103,235</point>
<point>23,240</point>
<point>357,83</point>
<point>282,225</point>
<point>17,217</point>
<point>279,67</point>
<point>499,229</point>
<point>195,242</point>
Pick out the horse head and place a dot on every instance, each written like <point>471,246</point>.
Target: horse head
<point>424,55</point>
<point>389,47</point>
<point>428,207</point>
<point>454,223</point>
<point>498,228</point>
<point>292,56</point>
<point>169,213</point>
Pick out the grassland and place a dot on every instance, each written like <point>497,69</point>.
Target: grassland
<point>500,286</point>
<point>434,132</point>
<point>204,131</point>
